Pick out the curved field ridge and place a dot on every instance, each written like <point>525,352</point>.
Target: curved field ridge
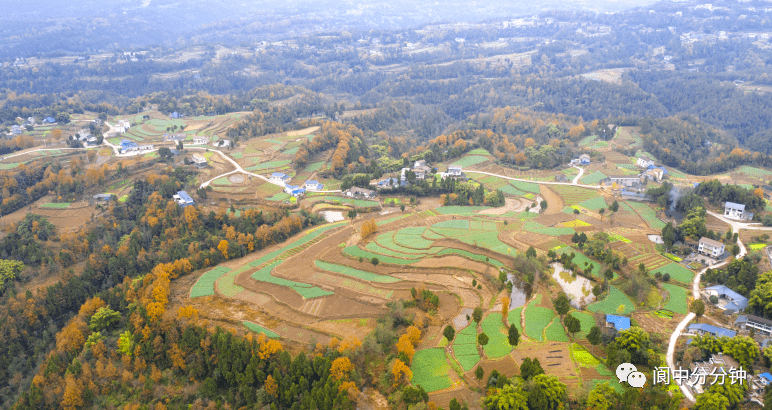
<point>555,331</point>
<point>537,318</point>
<point>356,252</point>
<point>204,286</point>
<point>259,329</point>
<point>430,369</point>
<point>349,271</point>
<point>303,289</point>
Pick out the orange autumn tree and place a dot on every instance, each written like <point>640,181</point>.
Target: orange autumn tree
<point>340,369</point>
<point>408,341</point>
<point>369,227</point>
<point>400,369</point>
<point>504,309</point>
<point>223,247</point>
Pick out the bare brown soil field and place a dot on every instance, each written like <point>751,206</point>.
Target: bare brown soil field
<point>554,201</point>
<point>554,357</point>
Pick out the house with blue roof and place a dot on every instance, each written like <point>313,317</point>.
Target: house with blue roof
<point>49,120</point>
<point>128,143</point>
<point>618,322</point>
<point>183,199</point>
<point>388,183</point>
<point>703,328</point>
<point>298,192</point>
<point>313,185</point>
<point>766,378</point>
<point>727,298</point>
<point>279,178</point>
<point>175,115</point>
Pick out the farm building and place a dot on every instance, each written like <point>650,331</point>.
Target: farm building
<point>294,190</point>
<point>736,211</point>
<point>49,120</point>
<point>200,141</point>
<point>654,174</point>
<point>92,141</point>
<point>454,171</point>
<point>625,180</point>
<point>356,191</point>
<point>183,199</point>
<point>390,183</point>
<point>644,162</point>
<point>767,190</point>
<point>703,328</point>
<point>720,363</point>
<point>759,324</point>
<point>15,130</point>
<point>313,185</point>
<point>174,115</point>
<point>635,196</point>
<point>199,159</point>
<point>102,197</point>
<point>584,159</point>
<point>222,143</point>
<point>174,137</point>
<point>710,247</point>
<point>617,322</point>
<point>279,177</point>
<point>727,298</point>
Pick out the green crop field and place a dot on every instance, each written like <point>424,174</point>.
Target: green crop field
<point>221,181</point>
<point>465,347</point>
<point>291,151</point>
<point>469,160</point>
<point>513,317</point>
<point>586,141</point>
<point>555,332</point>
<point>259,329</point>
<point>498,344</point>
<point>526,186</point>
<point>537,318</point>
<point>279,196</point>
<point>269,165</point>
<point>676,271</point>
<point>204,286</point>
<point>460,210</point>
<point>593,178</point>
<point>594,203</point>
<point>757,246</point>
<point>754,172</point>
<point>479,151</point>
<point>535,227</point>
<point>481,258</point>
<point>356,252</point>
<point>586,320</point>
<point>572,195</point>
<point>454,224</point>
<point>648,214</point>
<point>55,205</point>
<point>611,304</point>
<point>411,238</point>
<point>303,289</point>
<point>430,369</point>
<point>677,300</point>
<point>583,357</point>
<point>313,167</point>
<point>349,271</point>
